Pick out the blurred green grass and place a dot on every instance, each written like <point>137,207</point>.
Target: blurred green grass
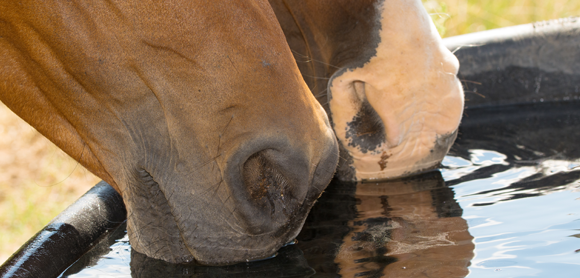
<point>456,17</point>
<point>37,180</point>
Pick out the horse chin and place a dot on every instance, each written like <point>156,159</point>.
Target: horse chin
<point>167,235</point>
<point>413,157</point>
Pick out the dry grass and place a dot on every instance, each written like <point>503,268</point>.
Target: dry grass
<point>37,180</point>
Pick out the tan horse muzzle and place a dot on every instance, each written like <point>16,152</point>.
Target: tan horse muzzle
<point>398,114</point>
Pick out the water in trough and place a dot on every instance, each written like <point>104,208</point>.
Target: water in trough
<point>506,203</point>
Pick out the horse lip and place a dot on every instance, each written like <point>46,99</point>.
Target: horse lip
<point>205,253</point>
<point>284,237</point>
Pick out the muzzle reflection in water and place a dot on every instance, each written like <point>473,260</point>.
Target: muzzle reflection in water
<point>405,228</point>
<point>410,227</point>
<point>289,262</point>
<point>114,257</point>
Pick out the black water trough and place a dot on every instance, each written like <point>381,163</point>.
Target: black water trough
<point>522,65</point>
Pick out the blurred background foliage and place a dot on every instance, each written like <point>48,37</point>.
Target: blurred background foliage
<point>456,17</point>
<point>37,180</point>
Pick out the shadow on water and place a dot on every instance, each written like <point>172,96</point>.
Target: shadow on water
<point>289,262</point>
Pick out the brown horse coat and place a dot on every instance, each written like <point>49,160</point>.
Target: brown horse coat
<point>195,111</point>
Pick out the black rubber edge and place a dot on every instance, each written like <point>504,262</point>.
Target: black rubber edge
<point>68,236</point>
<point>537,62</point>
<point>545,55</point>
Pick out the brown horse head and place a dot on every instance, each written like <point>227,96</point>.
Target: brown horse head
<point>383,75</point>
<point>195,111</point>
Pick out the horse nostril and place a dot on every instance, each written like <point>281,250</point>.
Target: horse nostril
<point>366,130</point>
<point>274,183</point>
<point>264,181</point>
<point>268,187</point>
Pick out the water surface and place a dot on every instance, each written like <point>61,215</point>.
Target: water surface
<point>506,203</point>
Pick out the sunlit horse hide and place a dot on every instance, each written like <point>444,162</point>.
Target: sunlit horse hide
<point>195,111</point>
<point>381,72</point>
